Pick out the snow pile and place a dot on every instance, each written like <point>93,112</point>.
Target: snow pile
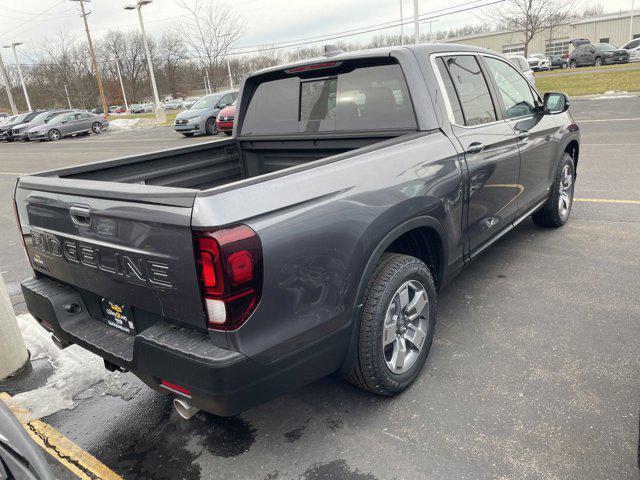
<point>76,371</point>
<point>614,94</point>
<point>123,124</point>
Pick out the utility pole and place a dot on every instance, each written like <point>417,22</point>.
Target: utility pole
<point>229,70</point>
<point>401,24</point>
<point>431,29</point>
<point>631,22</point>
<point>208,80</point>
<point>7,86</point>
<point>66,91</point>
<point>24,86</point>
<point>124,95</point>
<point>416,22</point>
<point>161,115</point>
<point>96,70</point>
<point>13,352</point>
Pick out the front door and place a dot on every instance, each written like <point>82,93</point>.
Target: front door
<point>490,148</point>
<point>536,133</point>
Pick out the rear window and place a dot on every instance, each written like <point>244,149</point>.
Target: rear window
<point>366,98</point>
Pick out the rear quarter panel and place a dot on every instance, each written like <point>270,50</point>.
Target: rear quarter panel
<point>319,228</point>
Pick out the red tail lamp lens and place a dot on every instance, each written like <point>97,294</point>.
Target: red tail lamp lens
<point>229,263</point>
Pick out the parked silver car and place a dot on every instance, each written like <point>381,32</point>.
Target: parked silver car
<point>201,117</point>
<point>69,124</point>
<point>521,63</point>
<point>19,132</point>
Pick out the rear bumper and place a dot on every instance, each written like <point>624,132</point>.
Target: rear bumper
<point>221,381</point>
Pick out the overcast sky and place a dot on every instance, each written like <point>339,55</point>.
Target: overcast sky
<point>266,21</point>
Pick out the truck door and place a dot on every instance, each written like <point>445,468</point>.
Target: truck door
<point>490,148</point>
<point>536,133</point>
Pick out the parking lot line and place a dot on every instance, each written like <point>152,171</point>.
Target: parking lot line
<point>75,459</point>
<point>607,200</point>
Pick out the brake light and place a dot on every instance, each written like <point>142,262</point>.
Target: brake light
<point>229,265</point>
<point>315,66</point>
<point>24,245</point>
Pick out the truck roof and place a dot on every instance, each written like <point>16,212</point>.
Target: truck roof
<point>419,49</point>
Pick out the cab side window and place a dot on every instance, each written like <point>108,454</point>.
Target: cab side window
<point>471,88</point>
<point>514,90</point>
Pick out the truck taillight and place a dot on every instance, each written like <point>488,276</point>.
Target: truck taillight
<point>24,245</point>
<point>229,264</point>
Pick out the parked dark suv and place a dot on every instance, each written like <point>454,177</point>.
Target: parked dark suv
<point>597,54</point>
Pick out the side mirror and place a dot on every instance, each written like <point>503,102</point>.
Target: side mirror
<point>555,103</point>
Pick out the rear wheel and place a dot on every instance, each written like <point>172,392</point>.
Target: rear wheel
<point>556,210</point>
<point>210,126</point>
<point>54,135</point>
<point>96,127</point>
<point>397,325</point>
<point>564,65</point>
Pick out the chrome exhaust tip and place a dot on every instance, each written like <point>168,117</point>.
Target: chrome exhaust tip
<point>184,408</point>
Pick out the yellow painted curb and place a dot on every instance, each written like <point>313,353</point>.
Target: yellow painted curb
<point>74,458</point>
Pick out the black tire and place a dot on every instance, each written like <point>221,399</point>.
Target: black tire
<point>551,214</point>
<point>597,62</point>
<point>573,64</point>
<point>228,133</point>
<point>564,66</point>
<point>210,126</point>
<point>96,127</point>
<point>370,371</point>
<point>54,135</point>
<point>188,134</point>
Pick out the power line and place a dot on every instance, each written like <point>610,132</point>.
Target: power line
<point>34,17</point>
<point>365,29</point>
<point>339,35</point>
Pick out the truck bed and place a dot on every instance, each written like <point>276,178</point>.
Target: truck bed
<point>217,163</point>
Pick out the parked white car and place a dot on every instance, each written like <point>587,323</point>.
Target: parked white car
<point>523,65</point>
<point>634,50</point>
<point>538,62</point>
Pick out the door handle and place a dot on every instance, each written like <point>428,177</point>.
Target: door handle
<point>475,147</point>
<point>522,135</point>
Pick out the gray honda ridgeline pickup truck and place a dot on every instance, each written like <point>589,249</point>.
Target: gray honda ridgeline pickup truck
<point>314,241</point>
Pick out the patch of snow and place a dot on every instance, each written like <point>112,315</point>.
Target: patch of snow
<point>124,124</point>
<point>78,374</point>
<point>614,94</point>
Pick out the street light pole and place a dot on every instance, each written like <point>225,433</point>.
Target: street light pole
<point>161,116</point>
<point>96,70</point>
<point>124,95</point>
<point>24,86</point>
<point>229,70</point>
<point>7,87</point>
<point>66,91</point>
<point>416,22</point>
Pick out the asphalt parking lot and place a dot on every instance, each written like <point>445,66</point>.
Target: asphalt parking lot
<point>533,373</point>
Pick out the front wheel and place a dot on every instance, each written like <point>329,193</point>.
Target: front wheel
<point>210,126</point>
<point>573,64</point>
<point>564,65</point>
<point>598,62</point>
<point>556,210</point>
<point>188,134</point>
<point>397,325</point>
<point>54,135</point>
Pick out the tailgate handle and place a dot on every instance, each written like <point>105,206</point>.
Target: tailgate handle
<point>80,215</point>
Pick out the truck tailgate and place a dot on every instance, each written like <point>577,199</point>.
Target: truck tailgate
<point>119,247</point>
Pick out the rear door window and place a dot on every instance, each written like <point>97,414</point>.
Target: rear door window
<point>471,88</point>
<point>366,98</point>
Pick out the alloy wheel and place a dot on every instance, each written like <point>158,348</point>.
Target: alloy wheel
<point>566,192</point>
<point>97,128</point>
<point>405,327</point>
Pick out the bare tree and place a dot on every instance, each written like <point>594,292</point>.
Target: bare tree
<point>172,53</point>
<point>211,28</point>
<point>529,17</point>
